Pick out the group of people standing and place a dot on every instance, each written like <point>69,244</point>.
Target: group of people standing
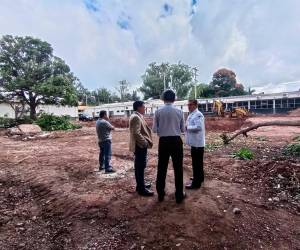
<point>169,125</point>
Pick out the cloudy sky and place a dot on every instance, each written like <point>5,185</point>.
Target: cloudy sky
<point>105,41</point>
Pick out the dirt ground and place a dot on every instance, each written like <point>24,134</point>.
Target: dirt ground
<point>53,197</point>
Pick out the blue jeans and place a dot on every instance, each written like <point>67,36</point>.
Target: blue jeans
<point>140,162</point>
<point>105,154</point>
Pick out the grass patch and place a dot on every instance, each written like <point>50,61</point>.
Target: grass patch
<point>292,149</point>
<point>50,122</point>
<point>212,146</point>
<point>244,154</point>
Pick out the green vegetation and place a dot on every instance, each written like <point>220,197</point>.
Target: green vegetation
<point>244,154</point>
<point>292,149</point>
<point>153,79</point>
<point>32,75</point>
<point>212,146</point>
<point>6,122</point>
<point>52,122</point>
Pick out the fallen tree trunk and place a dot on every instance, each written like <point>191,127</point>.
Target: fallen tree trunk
<point>226,139</point>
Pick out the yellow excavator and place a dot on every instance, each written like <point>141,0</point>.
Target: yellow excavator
<point>240,112</point>
<point>218,108</point>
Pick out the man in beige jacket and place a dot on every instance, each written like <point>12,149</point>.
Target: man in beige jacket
<point>140,141</point>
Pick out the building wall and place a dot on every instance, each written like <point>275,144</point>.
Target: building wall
<point>6,110</point>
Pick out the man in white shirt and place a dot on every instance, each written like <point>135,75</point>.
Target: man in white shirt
<point>195,137</point>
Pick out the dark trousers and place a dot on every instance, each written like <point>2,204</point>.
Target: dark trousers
<point>140,162</point>
<point>105,154</point>
<point>197,163</point>
<point>170,146</point>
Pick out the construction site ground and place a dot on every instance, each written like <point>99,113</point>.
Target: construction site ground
<point>53,197</point>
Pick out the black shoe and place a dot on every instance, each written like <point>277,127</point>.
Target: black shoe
<point>101,168</point>
<point>147,186</point>
<point>192,178</point>
<point>109,171</point>
<point>146,192</point>
<point>180,199</point>
<point>192,186</point>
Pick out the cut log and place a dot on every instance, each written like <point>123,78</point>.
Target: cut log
<point>226,139</point>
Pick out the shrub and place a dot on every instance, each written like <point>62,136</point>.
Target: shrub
<point>244,154</point>
<point>50,122</point>
<point>292,149</point>
<point>7,122</point>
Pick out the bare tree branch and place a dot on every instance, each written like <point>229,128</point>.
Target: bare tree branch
<point>226,139</point>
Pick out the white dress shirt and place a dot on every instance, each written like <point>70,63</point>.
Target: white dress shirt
<point>195,129</point>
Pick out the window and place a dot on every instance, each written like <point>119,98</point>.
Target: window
<point>297,102</point>
<point>278,103</point>
<point>284,103</point>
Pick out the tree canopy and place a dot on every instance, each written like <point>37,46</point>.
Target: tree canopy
<point>30,73</point>
<point>224,84</point>
<point>177,76</point>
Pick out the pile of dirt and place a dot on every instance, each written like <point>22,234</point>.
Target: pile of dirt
<point>295,113</point>
<point>223,124</point>
<point>25,129</point>
<point>211,123</point>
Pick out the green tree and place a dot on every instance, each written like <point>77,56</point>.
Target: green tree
<point>30,72</point>
<point>224,84</point>
<point>176,76</point>
<point>203,91</point>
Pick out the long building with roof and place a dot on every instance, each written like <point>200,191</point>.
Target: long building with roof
<point>257,103</point>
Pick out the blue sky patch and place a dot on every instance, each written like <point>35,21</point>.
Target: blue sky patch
<point>91,5</point>
<point>124,22</point>
<point>167,10</point>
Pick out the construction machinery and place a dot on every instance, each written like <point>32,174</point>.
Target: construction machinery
<point>218,108</point>
<point>239,112</point>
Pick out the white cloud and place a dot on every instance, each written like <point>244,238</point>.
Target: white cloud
<point>116,39</point>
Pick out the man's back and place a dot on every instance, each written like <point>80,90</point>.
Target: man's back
<point>103,129</point>
<point>168,121</point>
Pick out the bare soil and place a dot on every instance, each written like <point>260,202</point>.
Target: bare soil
<point>53,197</point>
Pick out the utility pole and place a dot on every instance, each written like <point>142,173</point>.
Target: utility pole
<point>164,69</point>
<point>195,81</point>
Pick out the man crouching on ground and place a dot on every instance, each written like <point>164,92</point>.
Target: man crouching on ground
<point>104,128</point>
<point>140,141</point>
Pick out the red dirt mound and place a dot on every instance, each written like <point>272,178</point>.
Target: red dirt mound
<point>295,112</point>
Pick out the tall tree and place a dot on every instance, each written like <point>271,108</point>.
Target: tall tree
<point>224,84</point>
<point>202,91</point>
<point>176,76</point>
<point>30,72</point>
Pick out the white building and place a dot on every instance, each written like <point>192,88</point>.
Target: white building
<point>261,103</point>
<point>7,111</point>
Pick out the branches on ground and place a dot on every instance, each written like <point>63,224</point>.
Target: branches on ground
<point>226,139</point>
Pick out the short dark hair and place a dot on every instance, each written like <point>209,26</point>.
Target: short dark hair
<point>194,101</point>
<point>137,104</point>
<point>169,96</point>
<point>102,113</point>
